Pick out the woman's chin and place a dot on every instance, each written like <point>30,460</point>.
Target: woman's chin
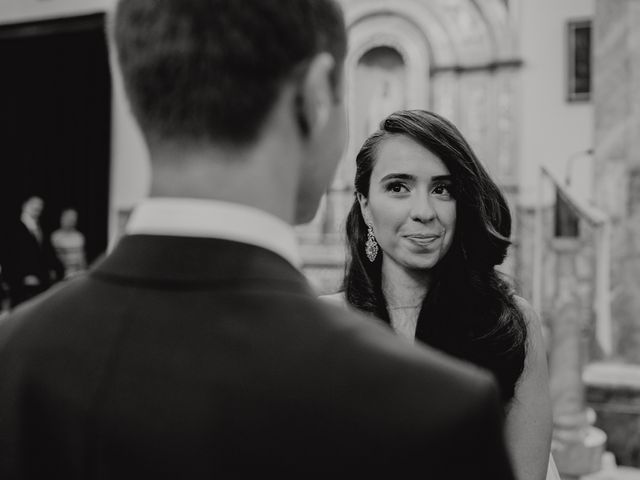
<point>421,262</point>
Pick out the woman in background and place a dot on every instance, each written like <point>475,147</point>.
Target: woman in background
<point>425,233</point>
<point>68,243</point>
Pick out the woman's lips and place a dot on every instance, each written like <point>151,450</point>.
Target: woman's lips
<point>422,240</point>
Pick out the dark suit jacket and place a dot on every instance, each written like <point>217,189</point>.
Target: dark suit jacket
<point>200,358</point>
<point>23,255</point>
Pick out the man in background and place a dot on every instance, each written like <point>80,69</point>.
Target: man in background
<point>30,263</point>
<point>197,349</point>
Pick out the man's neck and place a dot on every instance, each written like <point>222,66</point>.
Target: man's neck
<point>261,178</point>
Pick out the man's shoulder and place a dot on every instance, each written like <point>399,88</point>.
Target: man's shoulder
<point>359,343</point>
<point>381,335</point>
<point>444,398</point>
<point>40,317</point>
<point>338,298</point>
<point>370,336</point>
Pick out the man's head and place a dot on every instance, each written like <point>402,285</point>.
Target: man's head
<point>201,72</point>
<point>33,206</point>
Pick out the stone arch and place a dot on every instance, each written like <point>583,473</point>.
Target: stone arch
<point>460,33</point>
<point>460,62</point>
<point>400,34</point>
<point>416,14</point>
<point>439,41</point>
<point>496,16</point>
<point>406,38</point>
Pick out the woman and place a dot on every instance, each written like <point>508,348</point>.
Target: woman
<point>425,232</point>
<point>68,243</point>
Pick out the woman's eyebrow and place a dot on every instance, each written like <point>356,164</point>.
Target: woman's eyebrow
<point>397,176</point>
<point>407,176</point>
<point>439,178</point>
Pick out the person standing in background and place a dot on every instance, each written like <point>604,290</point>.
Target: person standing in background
<point>68,244</point>
<point>30,264</point>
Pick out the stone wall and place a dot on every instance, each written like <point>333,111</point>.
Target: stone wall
<point>568,272</point>
<point>617,143</point>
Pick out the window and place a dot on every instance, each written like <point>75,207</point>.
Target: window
<point>567,223</point>
<point>634,191</point>
<point>579,60</point>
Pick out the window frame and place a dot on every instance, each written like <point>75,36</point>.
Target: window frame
<point>571,51</point>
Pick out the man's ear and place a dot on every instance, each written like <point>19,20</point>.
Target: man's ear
<point>315,98</point>
<point>364,207</point>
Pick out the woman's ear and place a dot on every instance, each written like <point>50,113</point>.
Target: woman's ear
<point>316,96</point>
<point>364,208</point>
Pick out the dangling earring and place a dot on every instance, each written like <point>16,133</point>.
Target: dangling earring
<point>371,246</point>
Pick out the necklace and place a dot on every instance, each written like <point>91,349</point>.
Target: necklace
<point>402,307</point>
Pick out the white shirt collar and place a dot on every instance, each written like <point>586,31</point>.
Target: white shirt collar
<point>188,217</point>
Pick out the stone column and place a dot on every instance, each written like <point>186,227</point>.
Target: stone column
<point>577,446</point>
<point>616,98</point>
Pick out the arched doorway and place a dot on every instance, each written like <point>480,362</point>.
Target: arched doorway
<point>381,78</point>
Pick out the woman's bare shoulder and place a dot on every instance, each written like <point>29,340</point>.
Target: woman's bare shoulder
<point>531,318</point>
<point>528,422</point>
<point>536,341</point>
<point>526,309</point>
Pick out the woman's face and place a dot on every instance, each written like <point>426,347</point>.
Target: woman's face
<point>410,204</point>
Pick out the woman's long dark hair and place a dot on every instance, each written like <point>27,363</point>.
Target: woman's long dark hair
<point>469,311</point>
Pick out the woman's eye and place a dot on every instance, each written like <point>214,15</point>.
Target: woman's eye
<point>442,189</point>
<point>396,187</point>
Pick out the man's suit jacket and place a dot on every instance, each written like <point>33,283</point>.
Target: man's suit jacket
<point>195,358</point>
<point>25,255</point>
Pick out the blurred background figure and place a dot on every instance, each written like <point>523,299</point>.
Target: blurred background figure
<point>68,244</point>
<point>30,264</point>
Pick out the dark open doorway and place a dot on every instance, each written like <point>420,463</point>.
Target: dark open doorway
<point>55,122</point>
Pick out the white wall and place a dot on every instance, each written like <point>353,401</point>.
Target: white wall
<point>130,171</point>
<point>552,130</point>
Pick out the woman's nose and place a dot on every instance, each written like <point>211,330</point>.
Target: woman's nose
<point>421,208</point>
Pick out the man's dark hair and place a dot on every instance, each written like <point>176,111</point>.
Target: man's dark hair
<point>212,69</point>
